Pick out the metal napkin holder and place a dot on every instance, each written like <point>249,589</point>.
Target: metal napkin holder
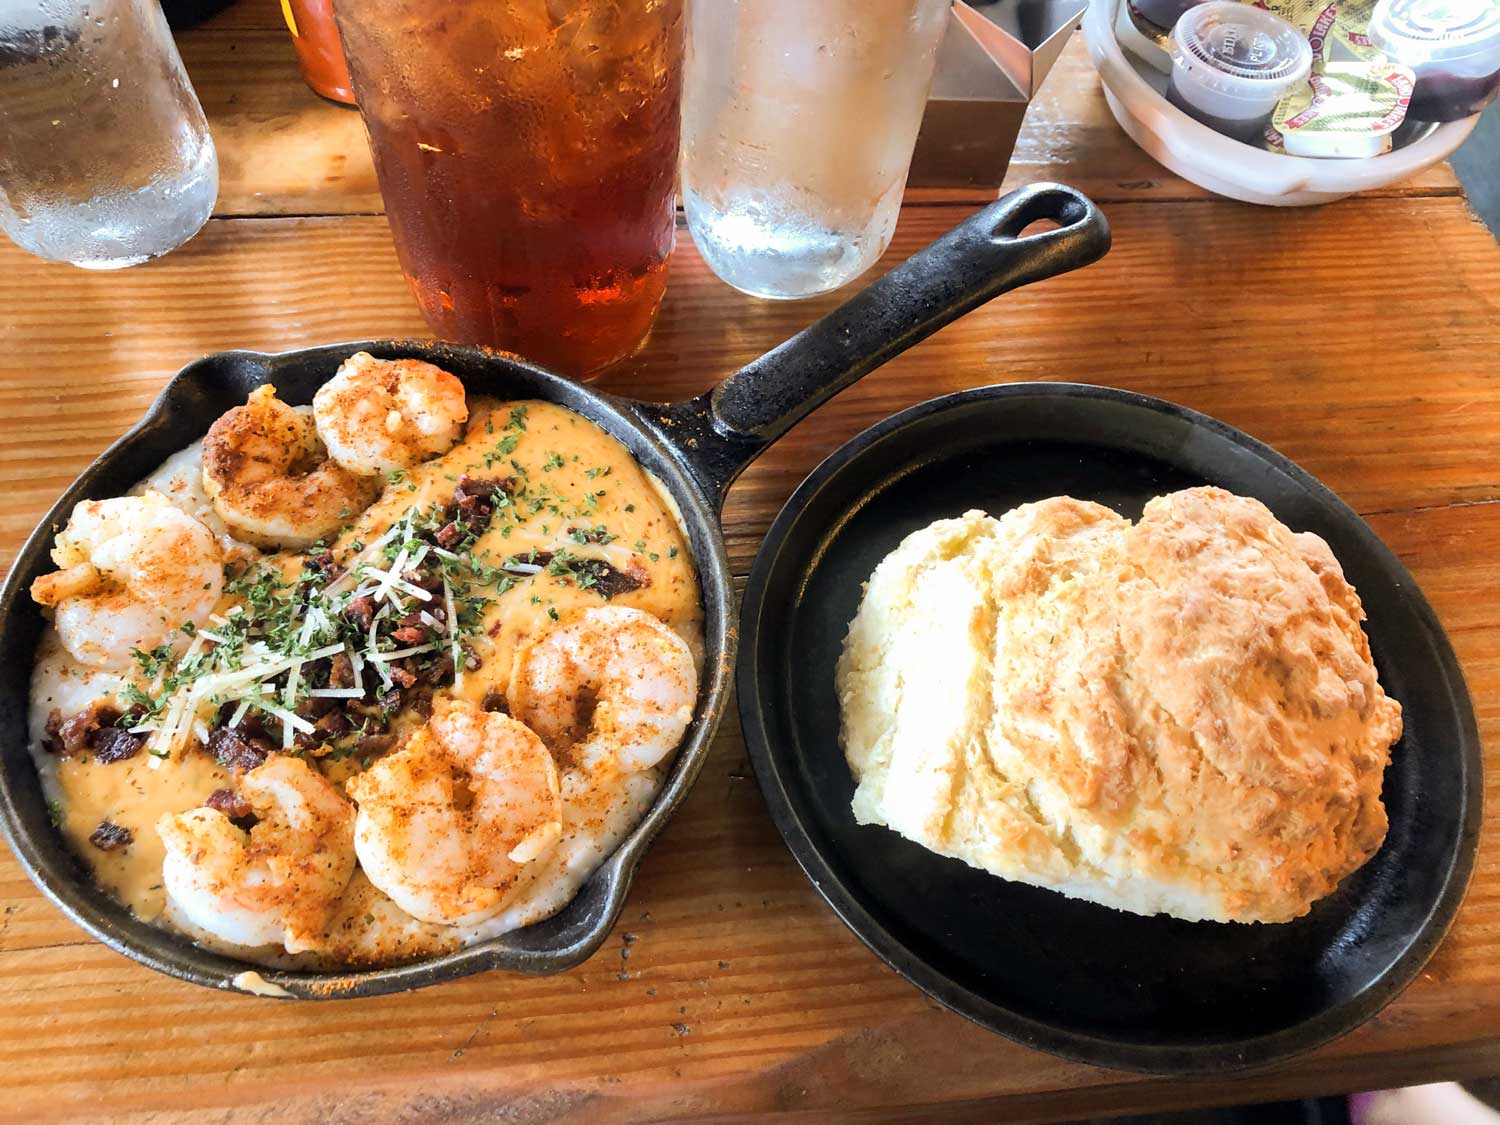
<point>990,65</point>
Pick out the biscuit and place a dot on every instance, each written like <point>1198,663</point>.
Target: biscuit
<point>1178,715</point>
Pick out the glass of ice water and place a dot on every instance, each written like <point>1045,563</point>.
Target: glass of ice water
<point>105,158</point>
<point>799,121</point>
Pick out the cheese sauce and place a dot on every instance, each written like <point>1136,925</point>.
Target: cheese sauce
<point>582,496</point>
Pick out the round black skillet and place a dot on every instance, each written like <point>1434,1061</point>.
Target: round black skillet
<point>695,448</point>
<point>1066,976</point>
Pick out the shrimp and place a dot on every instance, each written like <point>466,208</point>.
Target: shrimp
<point>611,684</point>
<point>271,480</point>
<point>276,883</point>
<point>449,824</point>
<point>376,415</point>
<point>134,569</point>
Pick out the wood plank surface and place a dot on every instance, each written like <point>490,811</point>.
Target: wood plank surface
<point>729,987</point>
<point>284,150</point>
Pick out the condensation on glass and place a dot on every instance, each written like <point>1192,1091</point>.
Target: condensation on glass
<point>799,121</point>
<point>105,157</point>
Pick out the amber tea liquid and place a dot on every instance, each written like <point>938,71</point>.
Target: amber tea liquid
<point>526,152</point>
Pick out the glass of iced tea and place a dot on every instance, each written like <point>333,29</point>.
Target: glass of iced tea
<point>527,155</point>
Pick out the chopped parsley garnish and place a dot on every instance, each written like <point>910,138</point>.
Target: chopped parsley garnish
<point>502,450</point>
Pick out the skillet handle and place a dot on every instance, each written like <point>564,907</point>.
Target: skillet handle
<point>721,432</point>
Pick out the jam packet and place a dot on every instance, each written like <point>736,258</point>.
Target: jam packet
<point>1453,47</point>
<point>1346,110</point>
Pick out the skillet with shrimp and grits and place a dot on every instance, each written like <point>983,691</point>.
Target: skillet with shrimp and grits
<point>361,684</point>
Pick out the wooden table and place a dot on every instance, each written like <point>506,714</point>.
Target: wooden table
<point>1361,339</point>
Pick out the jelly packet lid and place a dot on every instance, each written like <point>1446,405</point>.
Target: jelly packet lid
<point>1347,98</point>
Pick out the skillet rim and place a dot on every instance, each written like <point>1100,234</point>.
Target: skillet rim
<point>1211,1059</point>
<point>54,870</point>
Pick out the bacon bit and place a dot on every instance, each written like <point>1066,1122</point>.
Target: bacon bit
<point>447,535</point>
<point>608,581</point>
<point>113,744</point>
<point>231,803</point>
<point>439,671</point>
<point>420,701</point>
<point>375,744</point>
<point>361,611</point>
<point>110,836</point>
<point>52,740</point>
<point>341,670</point>
<point>234,750</point>
<point>475,495</point>
<point>530,558</point>
<point>75,734</point>
<point>431,582</point>
<point>332,725</point>
<point>403,675</point>
<point>314,707</point>
<point>494,700</point>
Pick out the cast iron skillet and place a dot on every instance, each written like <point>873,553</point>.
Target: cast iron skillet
<point>696,448</point>
<point>1081,980</point>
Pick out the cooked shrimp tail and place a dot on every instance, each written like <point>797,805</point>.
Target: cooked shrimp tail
<point>134,570</point>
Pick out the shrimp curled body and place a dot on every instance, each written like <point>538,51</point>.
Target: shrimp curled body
<point>379,415</point>
<point>134,569</point>
<point>612,684</point>
<point>449,824</point>
<point>276,883</point>
<point>270,478</point>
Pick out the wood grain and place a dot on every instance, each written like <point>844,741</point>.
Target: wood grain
<point>284,150</point>
<point>729,987</point>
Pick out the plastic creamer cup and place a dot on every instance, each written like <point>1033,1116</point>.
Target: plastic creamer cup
<point>1453,47</point>
<point>1231,64</point>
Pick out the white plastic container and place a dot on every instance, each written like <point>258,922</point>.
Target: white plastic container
<point>1198,154</point>
<point>1231,64</point>
<point>1453,47</point>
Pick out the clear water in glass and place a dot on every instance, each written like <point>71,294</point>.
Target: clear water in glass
<point>105,156</point>
<point>799,121</point>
